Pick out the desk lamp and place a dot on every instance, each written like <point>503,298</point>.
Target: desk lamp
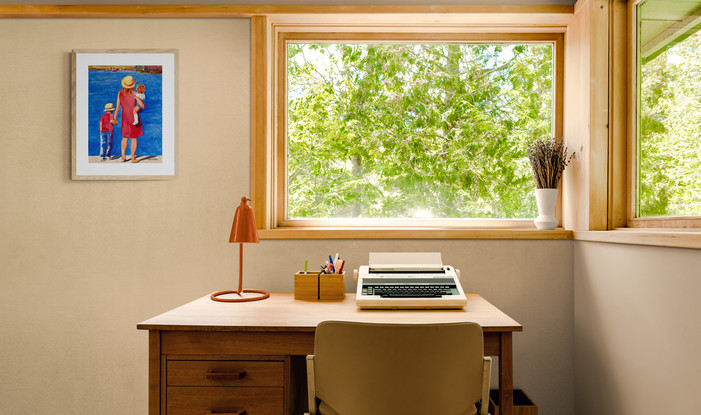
<point>243,231</point>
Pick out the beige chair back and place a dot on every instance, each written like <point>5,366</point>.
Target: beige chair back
<point>407,369</point>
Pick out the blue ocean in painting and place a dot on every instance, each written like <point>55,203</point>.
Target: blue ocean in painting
<point>103,87</point>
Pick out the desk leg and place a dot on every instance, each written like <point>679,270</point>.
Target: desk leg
<point>506,375</point>
<point>154,372</point>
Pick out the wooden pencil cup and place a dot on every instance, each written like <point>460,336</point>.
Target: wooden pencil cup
<point>319,287</point>
<point>332,287</point>
<point>306,286</point>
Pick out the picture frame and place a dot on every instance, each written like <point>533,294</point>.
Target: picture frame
<point>133,93</point>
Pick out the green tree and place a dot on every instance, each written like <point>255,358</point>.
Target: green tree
<point>407,130</point>
<point>670,131</point>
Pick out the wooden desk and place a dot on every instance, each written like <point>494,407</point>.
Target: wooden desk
<point>205,343</point>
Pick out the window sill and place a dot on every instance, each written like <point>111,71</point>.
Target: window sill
<point>411,233</point>
<point>678,238</point>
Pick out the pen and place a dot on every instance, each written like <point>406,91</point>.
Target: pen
<point>340,267</point>
<point>335,261</point>
<point>305,266</point>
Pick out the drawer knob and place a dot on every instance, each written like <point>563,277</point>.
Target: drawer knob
<point>235,374</point>
<point>242,412</point>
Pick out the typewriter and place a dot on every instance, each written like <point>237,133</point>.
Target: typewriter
<point>408,280</point>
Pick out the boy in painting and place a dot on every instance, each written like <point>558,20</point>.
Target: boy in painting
<point>140,93</point>
<point>107,122</point>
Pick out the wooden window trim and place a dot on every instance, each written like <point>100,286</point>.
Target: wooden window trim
<point>678,238</point>
<point>547,13</point>
<point>411,233</point>
<point>623,227</point>
<point>268,182</point>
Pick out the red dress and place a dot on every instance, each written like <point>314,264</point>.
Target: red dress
<point>129,130</point>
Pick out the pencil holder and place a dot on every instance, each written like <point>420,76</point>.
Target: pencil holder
<point>306,286</point>
<point>315,287</point>
<point>332,286</point>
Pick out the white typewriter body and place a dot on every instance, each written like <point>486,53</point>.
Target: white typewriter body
<point>408,280</point>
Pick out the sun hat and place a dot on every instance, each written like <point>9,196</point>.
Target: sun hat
<point>128,82</point>
<point>109,107</point>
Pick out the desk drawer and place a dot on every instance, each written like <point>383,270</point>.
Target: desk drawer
<point>225,373</point>
<point>224,400</point>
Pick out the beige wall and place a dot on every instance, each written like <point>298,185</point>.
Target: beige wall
<point>637,336</point>
<point>82,262</point>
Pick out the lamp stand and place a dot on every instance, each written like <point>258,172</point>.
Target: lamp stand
<point>263,296</point>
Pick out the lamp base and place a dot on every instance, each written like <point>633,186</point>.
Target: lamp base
<point>263,296</point>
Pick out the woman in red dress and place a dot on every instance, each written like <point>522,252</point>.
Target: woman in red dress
<point>126,100</point>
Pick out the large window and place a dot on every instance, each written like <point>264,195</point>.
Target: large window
<point>669,109</point>
<point>400,131</point>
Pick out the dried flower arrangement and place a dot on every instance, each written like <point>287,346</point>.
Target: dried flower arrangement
<point>548,159</point>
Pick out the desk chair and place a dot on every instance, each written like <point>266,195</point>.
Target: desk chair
<point>407,369</point>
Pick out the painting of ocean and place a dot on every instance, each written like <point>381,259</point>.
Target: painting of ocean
<point>103,86</point>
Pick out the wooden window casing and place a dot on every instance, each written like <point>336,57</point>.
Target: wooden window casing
<point>616,222</point>
<point>269,185</point>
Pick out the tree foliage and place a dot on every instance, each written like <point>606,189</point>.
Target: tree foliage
<point>670,131</point>
<point>415,130</point>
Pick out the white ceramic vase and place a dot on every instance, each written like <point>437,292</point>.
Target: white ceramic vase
<point>546,200</point>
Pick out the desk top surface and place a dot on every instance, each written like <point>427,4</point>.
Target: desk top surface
<point>281,312</point>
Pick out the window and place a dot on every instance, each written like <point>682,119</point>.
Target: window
<point>669,112</point>
<point>414,130</point>
<point>411,130</point>
<point>407,161</point>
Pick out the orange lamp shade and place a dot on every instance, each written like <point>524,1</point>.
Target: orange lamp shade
<point>244,228</point>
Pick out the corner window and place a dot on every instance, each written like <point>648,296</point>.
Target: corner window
<point>669,109</point>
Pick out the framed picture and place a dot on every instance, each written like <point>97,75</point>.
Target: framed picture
<point>124,114</point>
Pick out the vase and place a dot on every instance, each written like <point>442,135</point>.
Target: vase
<point>546,200</point>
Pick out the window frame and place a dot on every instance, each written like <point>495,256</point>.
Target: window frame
<point>269,186</point>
